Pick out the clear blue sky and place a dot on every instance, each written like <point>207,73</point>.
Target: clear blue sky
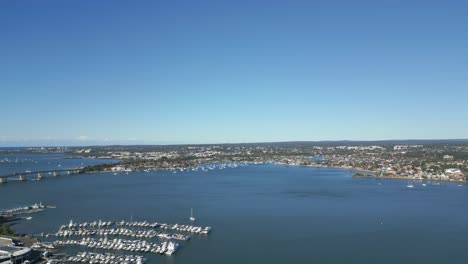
<point>87,72</point>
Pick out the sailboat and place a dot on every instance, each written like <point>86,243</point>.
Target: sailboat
<point>191,215</point>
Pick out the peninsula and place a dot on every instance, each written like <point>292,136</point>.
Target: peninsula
<point>444,160</point>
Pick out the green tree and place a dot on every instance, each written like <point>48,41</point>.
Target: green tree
<point>5,230</point>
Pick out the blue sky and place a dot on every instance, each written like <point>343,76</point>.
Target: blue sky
<point>162,72</point>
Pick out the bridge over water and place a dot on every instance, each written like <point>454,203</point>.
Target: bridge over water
<point>39,175</point>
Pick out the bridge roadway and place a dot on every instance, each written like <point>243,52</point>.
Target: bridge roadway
<point>40,174</point>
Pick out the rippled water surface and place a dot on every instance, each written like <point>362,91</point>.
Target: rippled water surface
<point>259,213</point>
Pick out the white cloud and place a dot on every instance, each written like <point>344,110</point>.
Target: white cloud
<point>82,138</point>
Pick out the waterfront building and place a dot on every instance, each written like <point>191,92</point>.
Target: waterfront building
<point>14,255</point>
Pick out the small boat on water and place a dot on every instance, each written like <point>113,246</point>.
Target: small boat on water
<point>410,186</point>
<point>191,215</point>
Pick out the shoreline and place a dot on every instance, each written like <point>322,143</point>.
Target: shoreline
<point>369,174</point>
<point>328,167</point>
<point>355,176</point>
<point>366,173</point>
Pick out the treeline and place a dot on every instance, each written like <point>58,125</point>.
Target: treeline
<point>97,168</point>
<point>6,230</point>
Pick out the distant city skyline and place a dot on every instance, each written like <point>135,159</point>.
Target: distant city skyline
<point>154,72</point>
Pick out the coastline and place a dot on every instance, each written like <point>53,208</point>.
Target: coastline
<point>326,167</point>
<point>367,176</point>
<point>358,171</point>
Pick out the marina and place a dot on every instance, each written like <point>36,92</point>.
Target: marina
<point>77,227</point>
<point>35,208</point>
<point>149,234</point>
<point>147,237</point>
<point>106,258</point>
<point>165,247</point>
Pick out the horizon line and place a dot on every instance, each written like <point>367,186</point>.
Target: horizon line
<point>240,143</point>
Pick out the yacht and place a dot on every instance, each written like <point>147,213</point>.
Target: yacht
<point>171,248</point>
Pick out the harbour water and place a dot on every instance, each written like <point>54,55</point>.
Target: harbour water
<point>260,213</point>
<point>22,163</point>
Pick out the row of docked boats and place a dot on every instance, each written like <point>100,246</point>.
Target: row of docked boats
<point>108,232</point>
<point>37,207</point>
<point>120,232</point>
<point>106,258</point>
<point>95,224</point>
<point>106,224</point>
<point>166,247</point>
<point>188,228</point>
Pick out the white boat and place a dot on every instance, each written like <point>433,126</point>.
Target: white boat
<point>171,248</point>
<point>191,215</point>
<point>410,186</point>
